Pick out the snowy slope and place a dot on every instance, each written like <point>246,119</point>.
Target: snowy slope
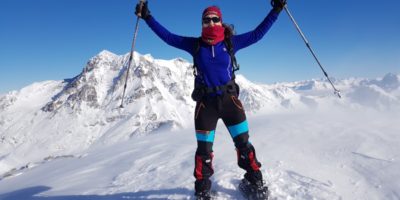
<point>69,140</point>
<point>66,117</point>
<point>306,155</point>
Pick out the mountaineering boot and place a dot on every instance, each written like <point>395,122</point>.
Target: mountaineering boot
<point>205,195</point>
<point>253,187</point>
<point>247,158</point>
<point>203,189</point>
<point>202,172</point>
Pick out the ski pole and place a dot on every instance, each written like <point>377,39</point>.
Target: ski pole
<point>131,54</point>
<point>336,91</point>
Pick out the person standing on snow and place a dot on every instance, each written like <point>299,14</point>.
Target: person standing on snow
<point>216,92</point>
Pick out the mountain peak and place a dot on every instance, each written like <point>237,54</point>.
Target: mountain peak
<point>106,53</point>
<point>152,85</point>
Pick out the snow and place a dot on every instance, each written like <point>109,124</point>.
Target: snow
<point>69,140</point>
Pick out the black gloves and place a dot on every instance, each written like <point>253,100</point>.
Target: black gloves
<point>142,10</point>
<point>278,5</point>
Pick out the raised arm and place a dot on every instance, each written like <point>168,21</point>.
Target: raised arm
<point>180,42</point>
<point>246,39</point>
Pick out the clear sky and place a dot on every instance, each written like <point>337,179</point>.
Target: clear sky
<point>53,39</point>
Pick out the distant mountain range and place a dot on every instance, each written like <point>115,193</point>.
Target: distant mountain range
<point>64,117</point>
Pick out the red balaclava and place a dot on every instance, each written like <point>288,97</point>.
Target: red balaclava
<point>213,34</point>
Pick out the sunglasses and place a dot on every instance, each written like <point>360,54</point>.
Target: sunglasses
<point>207,20</point>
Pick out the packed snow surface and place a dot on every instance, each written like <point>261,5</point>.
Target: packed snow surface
<point>67,140</point>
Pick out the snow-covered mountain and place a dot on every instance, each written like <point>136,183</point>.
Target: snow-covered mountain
<point>78,112</point>
<point>66,119</point>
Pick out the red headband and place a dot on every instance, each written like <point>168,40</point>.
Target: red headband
<point>212,10</point>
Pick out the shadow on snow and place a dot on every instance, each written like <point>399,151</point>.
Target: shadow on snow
<point>29,194</point>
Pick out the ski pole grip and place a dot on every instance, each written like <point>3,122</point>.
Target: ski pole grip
<point>141,3</point>
<point>280,2</point>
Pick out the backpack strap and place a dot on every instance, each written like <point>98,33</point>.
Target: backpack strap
<point>229,45</point>
<point>196,49</point>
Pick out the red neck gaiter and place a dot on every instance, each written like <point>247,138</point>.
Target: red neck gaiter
<point>213,34</point>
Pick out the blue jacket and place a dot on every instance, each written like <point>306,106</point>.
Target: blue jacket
<point>213,61</point>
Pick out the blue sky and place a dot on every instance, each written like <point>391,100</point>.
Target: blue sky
<point>52,40</point>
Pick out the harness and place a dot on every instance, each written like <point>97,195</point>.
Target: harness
<point>200,89</point>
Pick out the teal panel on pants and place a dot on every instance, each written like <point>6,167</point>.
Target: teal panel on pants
<point>238,129</point>
<point>209,137</point>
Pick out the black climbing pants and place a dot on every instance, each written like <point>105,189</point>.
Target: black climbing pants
<point>207,113</point>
